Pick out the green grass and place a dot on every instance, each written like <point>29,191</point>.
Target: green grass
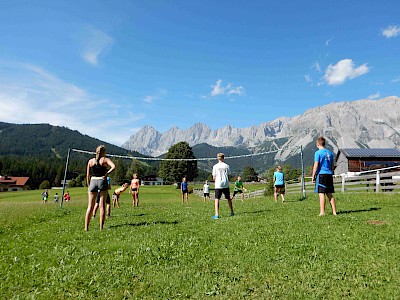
<point>166,250</point>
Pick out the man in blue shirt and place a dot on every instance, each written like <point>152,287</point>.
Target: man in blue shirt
<point>323,176</point>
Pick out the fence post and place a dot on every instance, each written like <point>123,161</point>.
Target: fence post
<point>378,181</point>
<point>343,183</point>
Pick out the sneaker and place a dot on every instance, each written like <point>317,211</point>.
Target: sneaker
<point>232,214</point>
<point>215,217</point>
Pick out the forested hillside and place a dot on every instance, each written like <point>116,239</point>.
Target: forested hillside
<point>39,151</point>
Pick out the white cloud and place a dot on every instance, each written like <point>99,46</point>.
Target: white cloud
<point>308,78</point>
<point>395,80</point>
<point>343,70</point>
<point>239,90</point>
<point>374,96</point>
<point>157,95</point>
<point>219,89</point>
<point>95,43</point>
<point>391,31</point>
<point>31,94</point>
<point>328,41</point>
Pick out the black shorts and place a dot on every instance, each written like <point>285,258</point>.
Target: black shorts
<point>206,194</point>
<point>324,184</point>
<point>134,190</point>
<point>224,191</point>
<point>237,192</point>
<point>185,191</point>
<point>108,200</point>
<point>280,186</point>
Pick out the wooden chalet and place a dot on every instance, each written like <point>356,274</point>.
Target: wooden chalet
<point>12,183</point>
<point>366,159</point>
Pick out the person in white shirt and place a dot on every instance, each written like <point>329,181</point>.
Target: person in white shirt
<point>206,191</point>
<point>220,175</point>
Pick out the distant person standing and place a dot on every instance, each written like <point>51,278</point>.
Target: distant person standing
<point>239,187</point>
<point>322,175</point>
<point>279,183</point>
<point>56,198</point>
<point>220,175</point>
<point>206,191</point>
<point>135,190</point>
<point>96,177</point>
<point>184,190</point>
<point>45,196</point>
<point>67,197</point>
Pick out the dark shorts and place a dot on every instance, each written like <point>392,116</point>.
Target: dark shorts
<point>206,194</point>
<point>134,190</point>
<point>220,192</point>
<point>185,191</point>
<point>108,200</point>
<point>237,192</point>
<point>280,186</point>
<point>324,184</point>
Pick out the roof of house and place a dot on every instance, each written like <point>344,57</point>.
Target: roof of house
<point>12,180</point>
<point>370,152</point>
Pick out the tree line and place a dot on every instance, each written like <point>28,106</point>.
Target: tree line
<point>49,172</point>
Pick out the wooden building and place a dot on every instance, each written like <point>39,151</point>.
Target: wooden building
<point>365,159</point>
<point>11,183</point>
<point>151,180</point>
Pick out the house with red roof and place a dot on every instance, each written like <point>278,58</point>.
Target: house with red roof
<point>12,183</point>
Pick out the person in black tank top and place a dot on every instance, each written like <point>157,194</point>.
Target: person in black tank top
<point>97,170</point>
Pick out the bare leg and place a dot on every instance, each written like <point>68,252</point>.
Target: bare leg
<point>91,201</point>
<point>187,198</point>
<point>333,204</point>
<point>275,194</point>
<point>108,210</point>
<point>96,207</point>
<point>216,205</point>
<point>230,204</point>
<point>283,197</point>
<point>136,198</point>
<point>242,197</point>
<point>321,204</point>
<point>103,195</point>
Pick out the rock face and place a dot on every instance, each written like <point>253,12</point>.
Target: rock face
<point>362,123</point>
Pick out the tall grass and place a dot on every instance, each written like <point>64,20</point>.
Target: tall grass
<point>166,250</point>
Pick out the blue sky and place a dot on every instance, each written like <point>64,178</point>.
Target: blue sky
<point>107,68</point>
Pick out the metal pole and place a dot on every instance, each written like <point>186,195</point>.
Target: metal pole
<point>65,177</point>
<point>303,184</point>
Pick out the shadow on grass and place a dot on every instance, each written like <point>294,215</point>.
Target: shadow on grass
<point>358,210</point>
<point>254,212</point>
<point>145,224</point>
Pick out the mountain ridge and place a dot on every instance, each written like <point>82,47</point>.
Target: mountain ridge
<point>351,124</point>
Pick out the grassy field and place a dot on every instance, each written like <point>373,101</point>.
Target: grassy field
<point>166,250</point>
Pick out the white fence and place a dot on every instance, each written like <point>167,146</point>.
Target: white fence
<point>376,181</point>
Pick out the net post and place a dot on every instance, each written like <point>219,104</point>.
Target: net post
<point>303,184</point>
<point>65,177</point>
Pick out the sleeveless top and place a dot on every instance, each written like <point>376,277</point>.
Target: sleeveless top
<point>98,170</point>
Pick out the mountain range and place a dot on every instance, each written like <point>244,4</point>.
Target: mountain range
<point>352,124</point>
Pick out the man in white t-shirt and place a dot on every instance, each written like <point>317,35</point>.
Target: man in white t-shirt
<point>220,175</point>
<point>206,191</point>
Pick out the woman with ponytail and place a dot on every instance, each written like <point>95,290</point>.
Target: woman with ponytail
<point>97,170</point>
